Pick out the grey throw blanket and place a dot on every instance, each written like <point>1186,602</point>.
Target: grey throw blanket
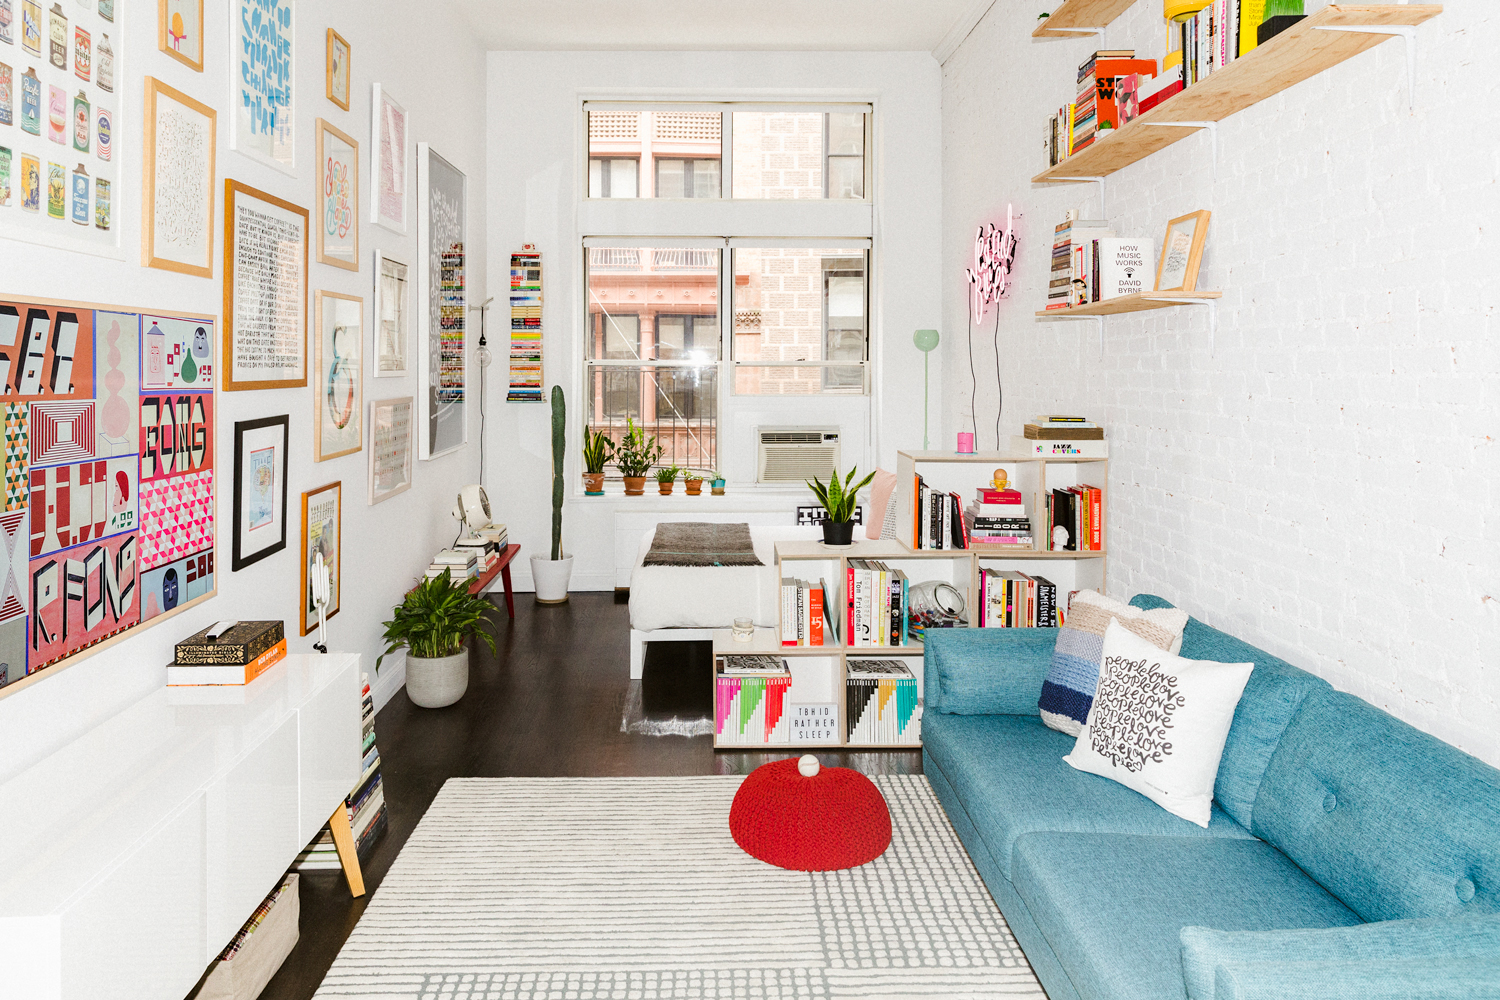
<point>695,543</point>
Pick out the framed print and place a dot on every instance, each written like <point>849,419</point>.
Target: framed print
<point>340,398</point>
<point>179,31</point>
<point>265,290</point>
<point>441,206</point>
<point>177,206</point>
<point>62,164</point>
<point>392,309</point>
<point>391,424</point>
<point>338,69</point>
<point>261,76</point>
<point>260,493</point>
<point>1181,253</point>
<point>321,519</point>
<point>388,171</point>
<point>338,198</point>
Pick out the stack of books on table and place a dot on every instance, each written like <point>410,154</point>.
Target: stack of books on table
<point>882,704</point>
<point>1014,600</point>
<point>876,604</point>
<point>496,533</point>
<point>750,700</point>
<point>806,618</point>
<point>486,552</point>
<point>1062,436</point>
<point>461,565</point>
<point>365,804</point>
<point>238,653</point>
<point>996,518</point>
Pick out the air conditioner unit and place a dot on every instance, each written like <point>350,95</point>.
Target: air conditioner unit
<point>796,454</point>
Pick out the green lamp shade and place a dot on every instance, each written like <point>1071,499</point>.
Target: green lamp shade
<point>925,340</point>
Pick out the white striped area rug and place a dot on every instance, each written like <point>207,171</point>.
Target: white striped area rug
<point>632,888</point>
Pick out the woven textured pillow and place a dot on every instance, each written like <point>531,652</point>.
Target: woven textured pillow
<point>1068,691</point>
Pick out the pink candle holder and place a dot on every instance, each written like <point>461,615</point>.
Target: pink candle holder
<point>965,442</point>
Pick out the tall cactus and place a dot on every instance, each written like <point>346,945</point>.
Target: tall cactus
<point>559,439</point>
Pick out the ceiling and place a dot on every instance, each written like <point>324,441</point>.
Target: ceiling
<point>809,25</point>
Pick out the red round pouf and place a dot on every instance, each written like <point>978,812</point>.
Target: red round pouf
<point>832,820</point>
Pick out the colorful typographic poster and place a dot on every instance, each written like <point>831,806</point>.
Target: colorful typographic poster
<point>260,489</point>
<point>176,434</point>
<point>46,352</point>
<point>322,518</point>
<point>441,206</point>
<point>117,383</point>
<point>61,432</point>
<point>338,198</point>
<point>73,504</point>
<point>80,596</point>
<point>176,353</point>
<point>261,75</point>
<point>173,584</point>
<point>391,422</point>
<point>265,306</point>
<point>177,518</point>
<point>388,162</point>
<point>339,403</point>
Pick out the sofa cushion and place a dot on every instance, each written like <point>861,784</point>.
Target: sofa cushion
<point>1009,773</point>
<point>1112,906</point>
<point>1396,823</point>
<point>986,671</point>
<point>1408,979</point>
<point>1273,694</point>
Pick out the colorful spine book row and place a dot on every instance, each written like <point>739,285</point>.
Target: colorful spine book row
<point>365,804</point>
<point>881,710</point>
<point>877,604</point>
<point>804,619</point>
<point>451,325</point>
<point>751,711</point>
<point>525,326</point>
<point>1011,599</point>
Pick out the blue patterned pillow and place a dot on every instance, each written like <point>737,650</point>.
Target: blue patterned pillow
<point>1068,690</point>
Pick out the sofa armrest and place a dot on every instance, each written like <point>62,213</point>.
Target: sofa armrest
<point>985,671</point>
<point>1247,959</point>
<point>1405,979</point>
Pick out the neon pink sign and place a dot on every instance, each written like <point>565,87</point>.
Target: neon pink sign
<point>994,255</point>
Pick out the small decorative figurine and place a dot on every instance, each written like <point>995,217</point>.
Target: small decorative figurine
<point>1059,538</point>
<point>1001,480</point>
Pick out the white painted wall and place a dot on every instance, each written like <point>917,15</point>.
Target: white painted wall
<point>386,546</point>
<point>537,153</point>
<point>1326,484</point>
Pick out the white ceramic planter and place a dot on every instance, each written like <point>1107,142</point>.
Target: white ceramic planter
<point>551,578</point>
<point>437,682</point>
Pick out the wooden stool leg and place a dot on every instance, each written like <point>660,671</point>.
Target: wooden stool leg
<point>343,839</point>
<point>510,601</point>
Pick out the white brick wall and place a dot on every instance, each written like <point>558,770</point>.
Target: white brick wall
<point>1326,484</point>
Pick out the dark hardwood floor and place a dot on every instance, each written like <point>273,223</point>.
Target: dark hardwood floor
<point>550,704</point>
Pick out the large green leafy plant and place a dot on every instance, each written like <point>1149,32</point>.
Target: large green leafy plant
<point>435,618</point>
<point>637,451</point>
<point>838,498</point>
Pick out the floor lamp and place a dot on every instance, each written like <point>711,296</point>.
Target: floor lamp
<point>925,340</point>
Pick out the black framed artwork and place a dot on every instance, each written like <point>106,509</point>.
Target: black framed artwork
<point>260,489</point>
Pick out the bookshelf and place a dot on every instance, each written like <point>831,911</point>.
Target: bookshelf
<point>1073,18</point>
<point>1131,303</point>
<point>1318,42</point>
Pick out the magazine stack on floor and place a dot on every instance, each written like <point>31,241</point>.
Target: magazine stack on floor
<point>366,803</point>
<point>883,705</point>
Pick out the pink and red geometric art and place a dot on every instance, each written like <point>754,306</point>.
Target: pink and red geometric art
<point>61,432</point>
<point>177,518</point>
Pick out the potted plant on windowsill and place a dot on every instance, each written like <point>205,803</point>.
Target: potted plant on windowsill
<point>692,481</point>
<point>838,499</point>
<point>716,483</point>
<point>665,477</point>
<point>634,456</point>
<point>597,451</point>
<point>432,622</point>
<point>550,576</point>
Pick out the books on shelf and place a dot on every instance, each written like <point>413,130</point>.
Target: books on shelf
<point>882,703</point>
<point>365,804</point>
<point>1011,599</point>
<point>937,518</point>
<point>1080,510</point>
<point>805,614</point>
<point>750,700</point>
<point>1033,448</point>
<point>462,565</point>
<point>225,674</point>
<point>1085,431</point>
<point>1074,248</point>
<point>877,604</point>
<point>237,645</point>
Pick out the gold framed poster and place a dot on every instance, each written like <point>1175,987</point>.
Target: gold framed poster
<point>177,203</point>
<point>338,427</point>
<point>338,69</point>
<point>179,31</point>
<point>322,520</point>
<point>265,290</point>
<point>337,199</point>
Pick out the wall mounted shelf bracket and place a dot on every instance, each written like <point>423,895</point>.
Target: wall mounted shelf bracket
<point>1213,138</point>
<point>1103,212</point>
<point>1406,31</point>
<point>1213,318</point>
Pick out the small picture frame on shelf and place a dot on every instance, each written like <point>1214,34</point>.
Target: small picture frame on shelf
<point>1182,252</point>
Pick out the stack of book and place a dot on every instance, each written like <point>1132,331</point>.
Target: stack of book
<point>1097,110</point>
<point>486,552</point>
<point>238,653</point>
<point>997,517</point>
<point>876,604</point>
<point>750,700</point>
<point>882,704</point>
<point>1079,509</point>
<point>805,615</point>
<point>937,521</point>
<point>1075,246</point>
<point>496,533</point>
<point>525,327</point>
<point>461,565</point>
<point>1062,436</point>
<point>365,804</point>
<point>1014,600</point>
<point>1222,32</point>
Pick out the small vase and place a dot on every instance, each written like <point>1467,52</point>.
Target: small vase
<point>665,489</point>
<point>838,532</point>
<point>694,486</point>
<point>437,682</point>
<point>635,486</point>
<point>593,484</point>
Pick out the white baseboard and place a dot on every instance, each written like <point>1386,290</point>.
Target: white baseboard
<point>390,679</point>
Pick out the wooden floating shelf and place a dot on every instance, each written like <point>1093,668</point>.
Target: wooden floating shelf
<point>1128,304</point>
<point>1300,52</point>
<point>1074,18</point>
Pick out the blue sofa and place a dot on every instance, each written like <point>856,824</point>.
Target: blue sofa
<point>1348,855</point>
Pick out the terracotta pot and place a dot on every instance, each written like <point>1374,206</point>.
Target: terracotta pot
<point>694,486</point>
<point>635,486</point>
<point>665,489</point>
<point>593,482</point>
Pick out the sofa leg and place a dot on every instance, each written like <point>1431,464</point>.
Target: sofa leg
<point>637,654</point>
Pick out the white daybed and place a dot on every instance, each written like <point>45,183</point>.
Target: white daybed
<point>688,602</point>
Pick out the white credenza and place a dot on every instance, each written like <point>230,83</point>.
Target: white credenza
<point>130,857</point>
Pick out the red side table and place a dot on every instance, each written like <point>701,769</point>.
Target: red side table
<point>502,569</point>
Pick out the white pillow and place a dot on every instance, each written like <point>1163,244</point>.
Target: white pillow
<point>1159,721</point>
